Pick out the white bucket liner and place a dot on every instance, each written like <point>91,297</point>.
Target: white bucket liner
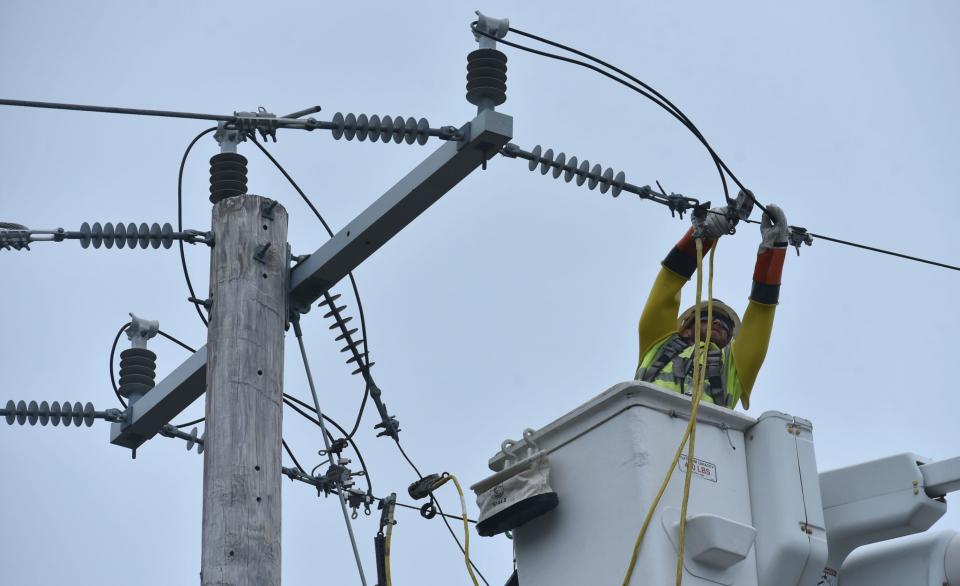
<point>518,493</point>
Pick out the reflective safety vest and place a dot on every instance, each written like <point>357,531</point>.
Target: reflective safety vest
<point>669,364</point>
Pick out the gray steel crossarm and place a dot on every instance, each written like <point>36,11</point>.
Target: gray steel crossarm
<point>387,216</point>
<point>395,209</point>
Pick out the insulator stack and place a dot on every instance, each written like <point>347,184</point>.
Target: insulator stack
<point>346,334</point>
<point>384,129</point>
<point>582,170</point>
<point>51,413</point>
<point>228,176</point>
<point>129,235</point>
<point>486,77</point>
<point>138,371</point>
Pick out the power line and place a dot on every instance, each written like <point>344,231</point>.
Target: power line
<point>659,99</point>
<point>353,281</point>
<point>183,258</point>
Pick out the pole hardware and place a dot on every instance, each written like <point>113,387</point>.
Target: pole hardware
<point>798,236</point>
<point>191,438</point>
<point>260,255</point>
<point>103,235</point>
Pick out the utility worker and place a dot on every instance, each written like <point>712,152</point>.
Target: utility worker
<point>736,349</point>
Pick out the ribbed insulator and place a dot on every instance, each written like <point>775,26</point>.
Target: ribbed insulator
<point>129,235</point>
<point>228,176</point>
<point>571,168</point>
<point>486,77</point>
<point>375,128</point>
<point>53,413</point>
<point>346,334</point>
<point>138,371</point>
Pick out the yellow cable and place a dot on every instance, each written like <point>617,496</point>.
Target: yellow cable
<point>699,355</point>
<point>386,554</point>
<point>691,424</point>
<point>466,526</point>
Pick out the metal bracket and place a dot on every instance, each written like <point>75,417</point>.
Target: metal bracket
<point>141,330</point>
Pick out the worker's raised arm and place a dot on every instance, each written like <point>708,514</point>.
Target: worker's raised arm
<point>750,346</point>
<point>659,317</point>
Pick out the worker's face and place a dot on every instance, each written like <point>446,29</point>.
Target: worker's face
<point>719,332</point>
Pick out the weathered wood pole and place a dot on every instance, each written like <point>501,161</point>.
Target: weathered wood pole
<point>241,465</point>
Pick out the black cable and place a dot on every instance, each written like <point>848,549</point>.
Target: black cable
<point>176,341</point>
<point>676,114</point>
<point>688,123</point>
<point>671,108</point>
<point>290,400</point>
<point>114,110</point>
<point>189,423</point>
<point>353,282</point>
<point>183,258</point>
<point>292,457</point>
<point>113,351</point>
<point>443,516</point>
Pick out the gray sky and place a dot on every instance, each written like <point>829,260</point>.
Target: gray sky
<point>513,299</point>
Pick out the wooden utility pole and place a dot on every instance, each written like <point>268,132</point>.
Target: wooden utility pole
<point>241,468</point>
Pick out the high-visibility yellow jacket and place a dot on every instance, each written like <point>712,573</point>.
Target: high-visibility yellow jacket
<point>743,356</point>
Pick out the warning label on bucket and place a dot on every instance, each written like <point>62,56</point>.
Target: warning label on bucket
<point>701,468</point>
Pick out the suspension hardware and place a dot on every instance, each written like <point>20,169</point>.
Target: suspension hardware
<point>798,236</point>
<point>388,424</point>
<point>191,438</point>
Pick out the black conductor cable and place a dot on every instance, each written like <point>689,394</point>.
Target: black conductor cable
<point>721,166</point>
<point>183,258</point>
<point>443,516</point>
<point>353,282</point>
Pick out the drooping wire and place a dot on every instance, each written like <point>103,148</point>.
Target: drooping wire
<point>283,442</point>
<point>671,108</point>
<point>292,402</point>
<point>183,258</point>
<point>353,281</point>
<point>443,516</point>
<point>668,106</point>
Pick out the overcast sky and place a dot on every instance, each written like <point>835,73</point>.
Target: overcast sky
<point>513,299</point>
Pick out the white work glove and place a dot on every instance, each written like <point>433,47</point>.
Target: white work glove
<point>718,222</point>
<point>774,230</point>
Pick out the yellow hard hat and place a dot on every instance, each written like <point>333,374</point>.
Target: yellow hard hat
<point>720,309</point>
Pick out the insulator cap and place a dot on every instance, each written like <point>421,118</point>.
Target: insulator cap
<point>228,176</point>
<point>486,77</point>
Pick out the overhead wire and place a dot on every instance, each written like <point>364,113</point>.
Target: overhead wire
<point>353,281</point>
<point>663,102</point>
<point>443,516</point>
<point>183,258</point>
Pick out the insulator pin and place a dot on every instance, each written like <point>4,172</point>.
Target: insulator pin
<point>486,77</point>
<point>228,176</point>
<point>374,128</point>
<point>572,167</point>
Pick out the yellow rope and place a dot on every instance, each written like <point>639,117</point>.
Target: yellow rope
<point>466,526</point>
<point>386,555</point>
<point>700,359</point>
<point>691,423</point>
